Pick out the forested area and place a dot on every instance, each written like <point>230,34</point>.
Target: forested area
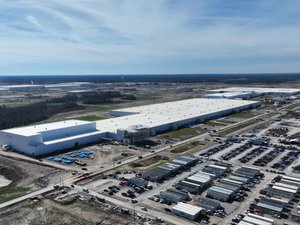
<point>24,115</point>
<point>32,113</point>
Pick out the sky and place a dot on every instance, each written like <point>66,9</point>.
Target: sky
<point>149,37</point>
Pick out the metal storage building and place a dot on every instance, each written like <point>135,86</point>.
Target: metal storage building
<point>244,180</point>
<point>174,196</point>
<point>215,169</point>
<point>281,192</point>
<point>289,186</point>
<point>253,220</point>
<point>296,214</point>
<point>271,221</point>
<point>199,179</point>
<point>187,211</point>
<point>138,182</point>
<point>212,176</point>
<point>218,193</point>
<point>269,209</point>
<point>248,172</point>
<point>291,182</point>
<point>157,174</point>
<point>232,182</point>
<point>294,179</point>
<point>208,204</point>
<point>190,159</point>
<point>234,188</point>
<point>189,186</point>
<point>273,202</point>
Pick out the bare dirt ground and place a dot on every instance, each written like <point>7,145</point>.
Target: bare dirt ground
<point>25,177</point>
<point>23,173</point>
<point>47,212</point>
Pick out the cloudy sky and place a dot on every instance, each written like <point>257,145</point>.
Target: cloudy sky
<point>149,37</point>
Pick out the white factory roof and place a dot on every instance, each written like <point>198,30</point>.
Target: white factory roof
<point>259,90</point>
<point>169,112</point>
<point>35,129</point>
<point>187,208</point>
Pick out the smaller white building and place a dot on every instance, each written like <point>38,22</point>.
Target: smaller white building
<point>22,88</point>
<point>51,137</point>
<point>187,211</point>
<point>233,95</point>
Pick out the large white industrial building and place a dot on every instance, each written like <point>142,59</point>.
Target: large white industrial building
<point>130,125</point>
<point>41,87</point>
<point>248,92</point>
<point>260,90</point>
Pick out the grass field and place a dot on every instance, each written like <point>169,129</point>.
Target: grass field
<point>152,161</point>
<point>185,148</point>
<point>54,104</point>
<point>215,124</point>
<point>90,118</point>
<point>147,97</point>
<point>11,192</point>
<point>242,115</point>
<point>184,132</point>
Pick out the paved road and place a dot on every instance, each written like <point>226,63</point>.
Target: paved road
<point>24,197</point>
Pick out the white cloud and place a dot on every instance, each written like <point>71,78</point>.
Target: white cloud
<point>34,21</point>
<point>143,34</point>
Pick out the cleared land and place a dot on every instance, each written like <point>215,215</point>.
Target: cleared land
<point>182,133</point>
<point>47,212</point>
<point>150,162</point>
<point>185,147</point>
<point>22,176</point>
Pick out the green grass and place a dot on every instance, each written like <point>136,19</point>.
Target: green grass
<point>152,161</point>
<point>9,192</point>
<point>54,104</point>
<point>90,118</point>
<point>215,124</point>
<point>148,96</point>
<point>191,132</point>
<point>185,148</point>
<point>243,115</point>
